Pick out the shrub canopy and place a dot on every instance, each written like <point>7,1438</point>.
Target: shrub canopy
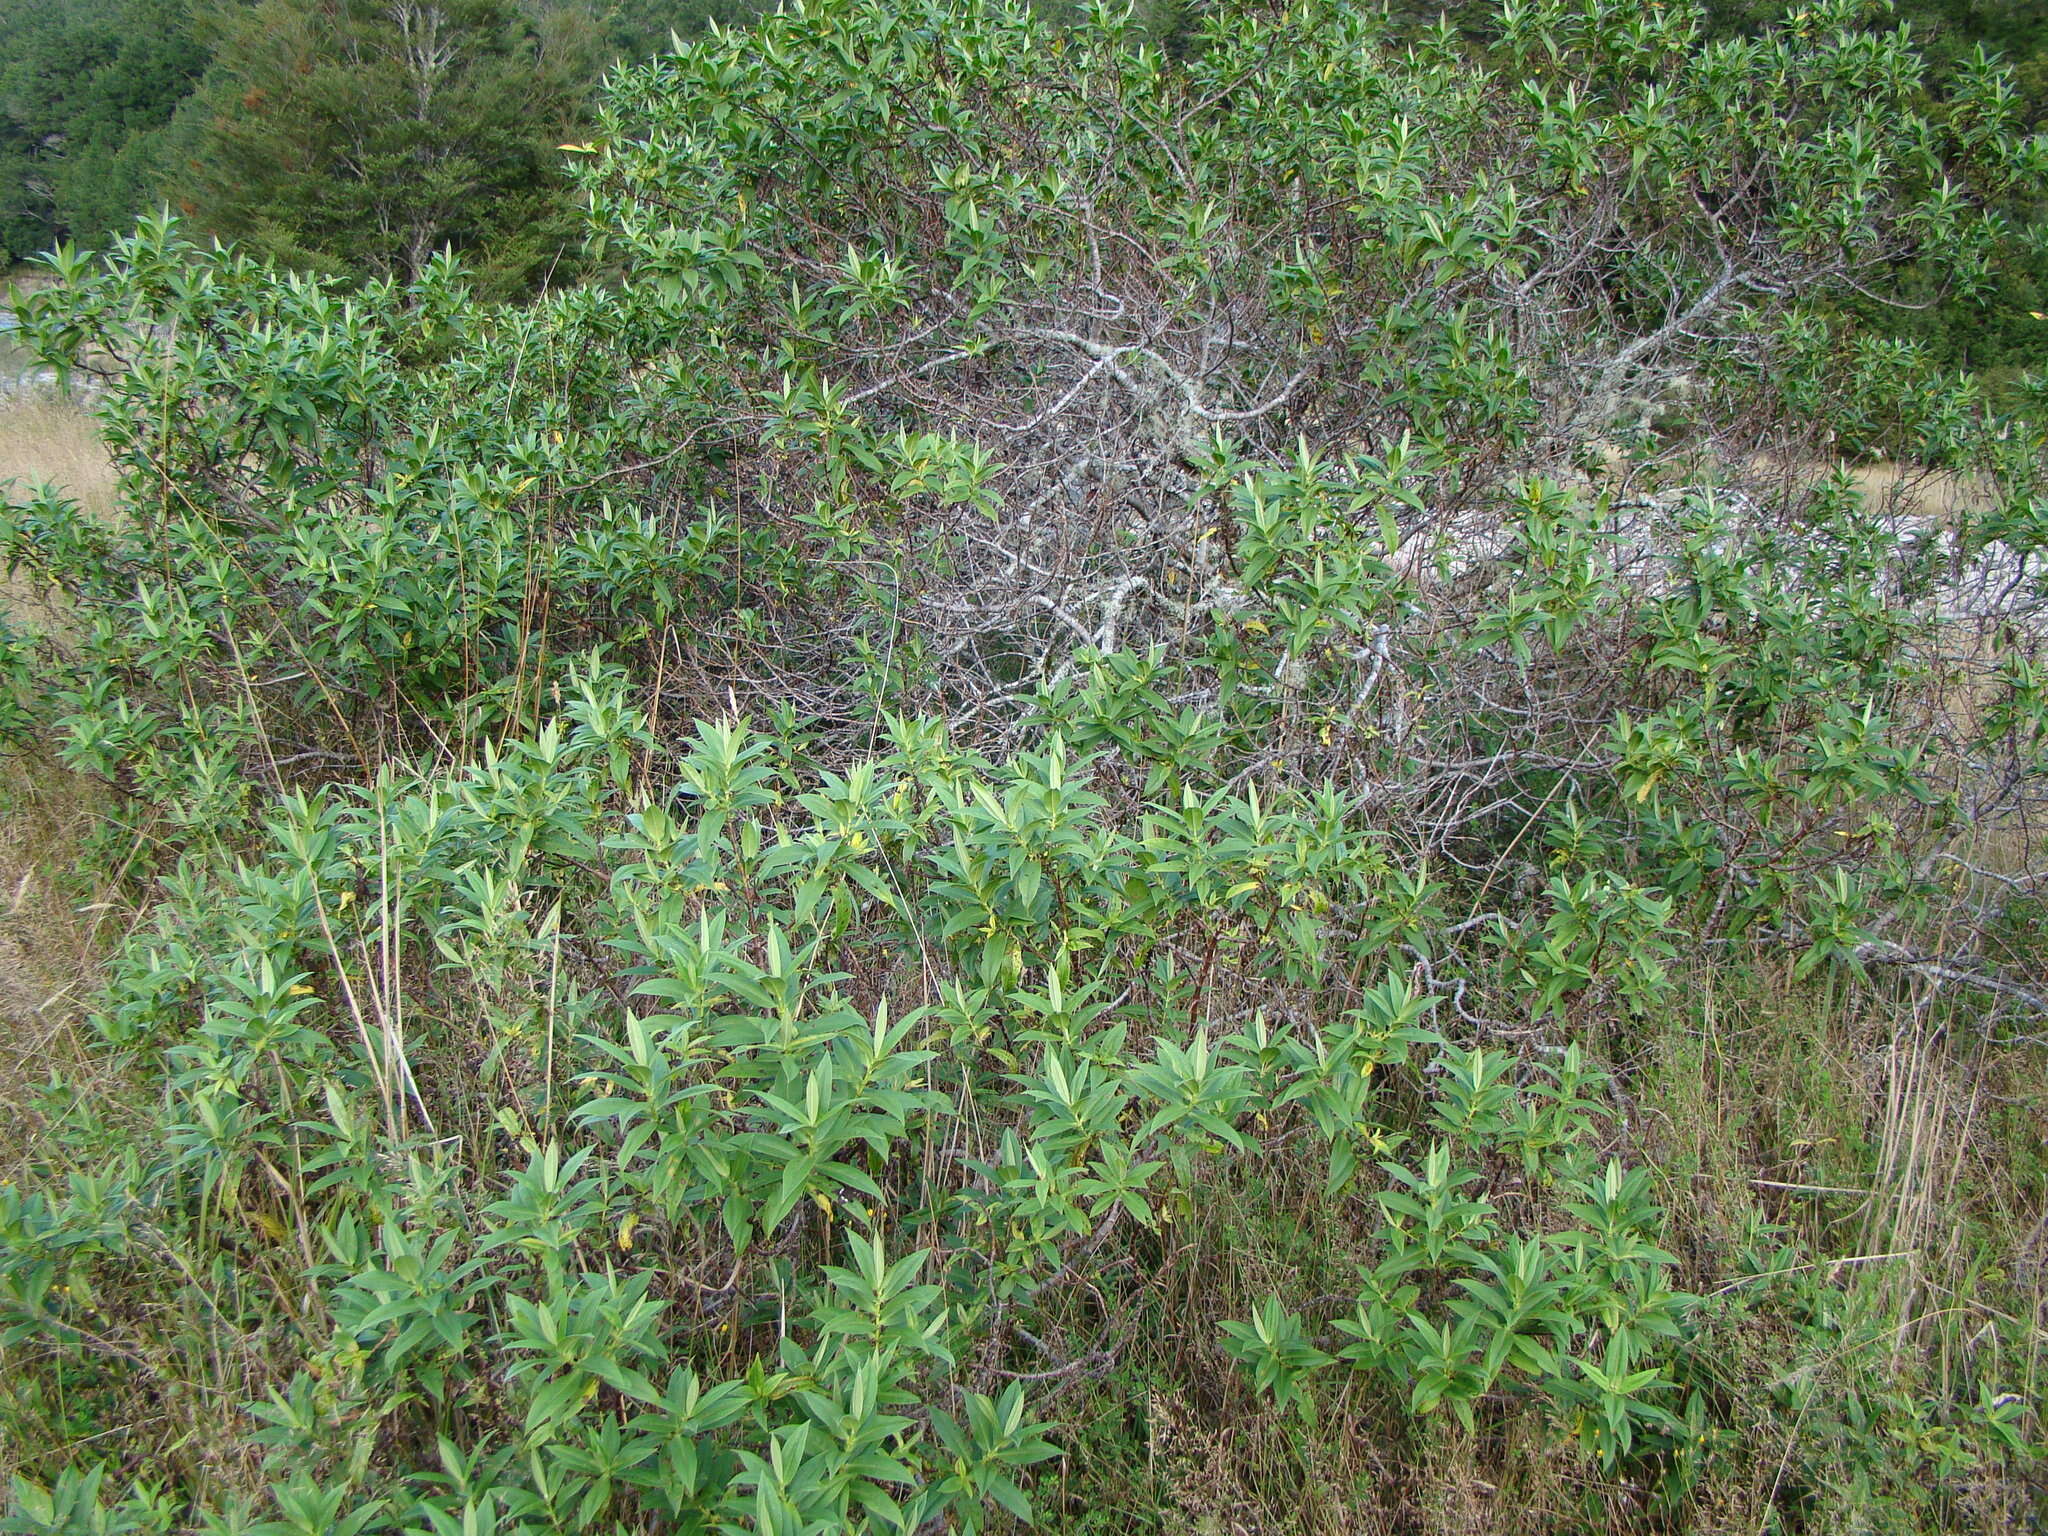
<point>742,847</point>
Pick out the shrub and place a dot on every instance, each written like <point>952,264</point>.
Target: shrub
<point>739,861</point>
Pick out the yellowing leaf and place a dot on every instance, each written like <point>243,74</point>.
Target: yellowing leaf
<point>626,1231</point>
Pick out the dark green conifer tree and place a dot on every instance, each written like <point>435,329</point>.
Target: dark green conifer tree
<point>87,93</point>
<point>363,136</point>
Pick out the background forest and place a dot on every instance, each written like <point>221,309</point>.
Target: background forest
<point>934,767</point>
<point>351,138</point>
<point>299,128</point>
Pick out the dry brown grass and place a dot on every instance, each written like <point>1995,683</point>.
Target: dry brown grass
<point>51,928</point>
<point>1888,486</point>
<point>52,933</point>
<point>47,437</point>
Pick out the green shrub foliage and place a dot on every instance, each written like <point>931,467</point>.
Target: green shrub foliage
<point>735,858</point>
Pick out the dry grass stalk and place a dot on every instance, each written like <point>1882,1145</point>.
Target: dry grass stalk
<point>52,932</point>
<point>45,436</point>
